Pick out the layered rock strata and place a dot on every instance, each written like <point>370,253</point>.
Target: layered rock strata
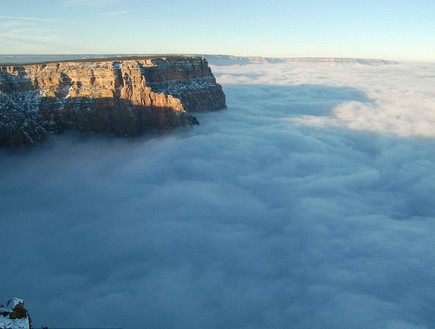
<point>125,96</point>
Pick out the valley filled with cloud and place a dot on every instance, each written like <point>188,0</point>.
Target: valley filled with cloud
<point>308,203</point>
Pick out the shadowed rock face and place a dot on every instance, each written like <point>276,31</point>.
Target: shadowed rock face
<point>118,96</point>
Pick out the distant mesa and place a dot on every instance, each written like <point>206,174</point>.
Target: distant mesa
<point>123,96</point>
<point>217,60</point>
<point>227,60</point>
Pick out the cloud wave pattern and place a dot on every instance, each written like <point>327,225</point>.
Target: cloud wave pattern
<point>307,204</point>
<point>400,98</point>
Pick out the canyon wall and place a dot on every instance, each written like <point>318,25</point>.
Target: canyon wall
<point>119,96</point>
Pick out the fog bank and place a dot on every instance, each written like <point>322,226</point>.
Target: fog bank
<point>306,204</point>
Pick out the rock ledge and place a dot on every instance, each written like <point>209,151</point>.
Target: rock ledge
<point>119,96</point>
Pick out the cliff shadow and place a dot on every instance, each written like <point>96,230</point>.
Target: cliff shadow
<point>27,118</point>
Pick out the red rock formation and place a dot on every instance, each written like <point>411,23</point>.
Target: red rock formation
<point>118,96</point>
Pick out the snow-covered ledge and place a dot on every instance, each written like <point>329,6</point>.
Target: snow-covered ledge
<point>14,315</point>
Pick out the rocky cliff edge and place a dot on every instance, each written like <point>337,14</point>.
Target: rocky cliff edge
<point>119,96</point>
<point>14,315</point>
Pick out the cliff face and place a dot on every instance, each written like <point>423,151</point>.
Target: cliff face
<point>117,96</point>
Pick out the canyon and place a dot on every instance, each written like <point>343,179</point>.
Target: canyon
<point>122,96</point>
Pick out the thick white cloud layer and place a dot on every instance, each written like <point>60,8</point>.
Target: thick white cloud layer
<point>399,99</point>
<point>307,204</point>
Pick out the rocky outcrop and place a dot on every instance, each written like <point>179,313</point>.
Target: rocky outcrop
<point>14,315</point>
<point>120,96</point>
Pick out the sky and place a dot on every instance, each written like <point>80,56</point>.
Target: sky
<point>307,203</point>
<point>390,29</point>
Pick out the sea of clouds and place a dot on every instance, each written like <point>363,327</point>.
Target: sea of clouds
<point>308,203</point>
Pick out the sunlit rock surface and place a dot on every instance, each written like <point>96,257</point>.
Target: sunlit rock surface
<point>120,96</point>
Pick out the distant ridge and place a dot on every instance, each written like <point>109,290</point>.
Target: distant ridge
<point>35,59</point>
<point>223,60</point>
<point>218,60</point>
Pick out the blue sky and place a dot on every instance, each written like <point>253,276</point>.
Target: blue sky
<point>403,30</point>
